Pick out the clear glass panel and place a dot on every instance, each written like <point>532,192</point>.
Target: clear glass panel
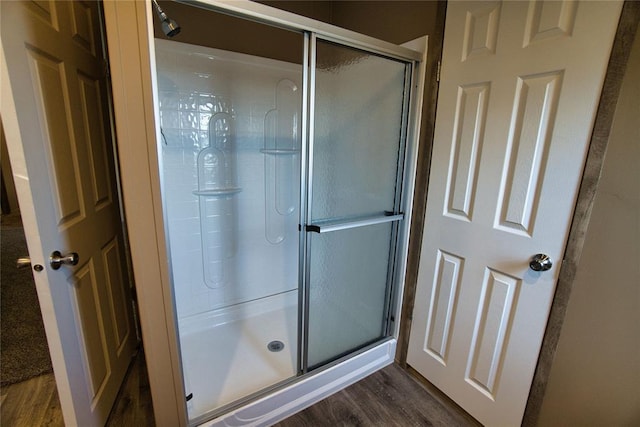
<point>348,284</point>
<point>230,112</point>
<point>358,120</point>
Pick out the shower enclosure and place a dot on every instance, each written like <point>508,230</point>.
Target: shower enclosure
<point>284,165</point>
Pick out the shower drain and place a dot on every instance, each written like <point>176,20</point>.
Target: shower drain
<point>275,346</point>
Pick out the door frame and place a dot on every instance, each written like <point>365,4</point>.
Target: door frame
<point>129,28</point>
<point>627,27</point>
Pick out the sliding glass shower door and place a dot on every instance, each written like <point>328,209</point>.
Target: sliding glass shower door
<point>282,158</point>
<point>359,106</point>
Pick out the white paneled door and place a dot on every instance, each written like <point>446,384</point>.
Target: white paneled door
<point>54,110</point>
<point>518,95</point>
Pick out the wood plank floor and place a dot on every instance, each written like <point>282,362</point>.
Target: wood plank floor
<point>389,397</point>
<point>35,402</point>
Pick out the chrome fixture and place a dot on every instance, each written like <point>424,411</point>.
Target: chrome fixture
<point>57,259</point>
<point>23,262</point>
<point>540,262</point>
<point>169,26</point>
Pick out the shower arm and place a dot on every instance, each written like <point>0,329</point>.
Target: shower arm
<point>169,26</point>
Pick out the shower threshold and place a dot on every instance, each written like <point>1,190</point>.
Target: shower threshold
<point>303,392</point>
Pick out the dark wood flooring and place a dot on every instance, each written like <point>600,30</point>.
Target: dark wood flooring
<point>35,402</point>
<point>389,397</point>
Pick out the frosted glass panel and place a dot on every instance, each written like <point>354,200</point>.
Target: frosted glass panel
<point>348,280</point>
<point>357,130</point>
<point>359,103</point>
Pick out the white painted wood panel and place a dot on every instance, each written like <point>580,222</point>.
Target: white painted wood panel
<point>470,118</point>
<point>54,108</point>
<point>92,103</point>
<point>535,103</point>
<point>117,296</point>
<point>493,319</point>
<point>447,280</point>
<point>519,88</point>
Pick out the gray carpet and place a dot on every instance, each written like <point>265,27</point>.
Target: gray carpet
<point>23,346</point>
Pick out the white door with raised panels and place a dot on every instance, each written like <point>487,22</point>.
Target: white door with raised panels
<point>54,110</point>
<point>518,95</point>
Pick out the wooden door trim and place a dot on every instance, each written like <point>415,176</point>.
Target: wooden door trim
<point>627,27</point>
<point>425,145</point>
<point>128,34</point>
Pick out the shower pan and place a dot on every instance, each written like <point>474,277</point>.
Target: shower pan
<point>286,172</point>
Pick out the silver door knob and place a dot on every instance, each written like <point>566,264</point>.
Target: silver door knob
<point>540,262</point>
<point>57,259</point>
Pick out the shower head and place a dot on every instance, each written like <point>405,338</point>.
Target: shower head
<point>169,26</point>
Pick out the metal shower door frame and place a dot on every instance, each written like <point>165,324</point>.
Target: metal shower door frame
<point>407,160</point>
<point>306,193</point>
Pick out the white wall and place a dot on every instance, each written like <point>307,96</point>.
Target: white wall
<point>194,83</point>
<point>595,377</point>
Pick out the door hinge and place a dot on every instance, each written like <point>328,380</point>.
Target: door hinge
<point>106,69</point>
<point>438,71</point>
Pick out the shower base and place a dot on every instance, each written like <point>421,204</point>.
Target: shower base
<point>308,390</point>
<point>225,353</point>
<point>225,358</point>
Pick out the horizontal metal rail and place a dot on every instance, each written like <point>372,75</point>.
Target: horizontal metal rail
<point>345,224</point>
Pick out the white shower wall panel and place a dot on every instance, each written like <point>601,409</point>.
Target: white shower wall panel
<point>194,83</point>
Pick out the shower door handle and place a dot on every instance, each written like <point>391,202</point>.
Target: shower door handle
<point>345,224</point>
